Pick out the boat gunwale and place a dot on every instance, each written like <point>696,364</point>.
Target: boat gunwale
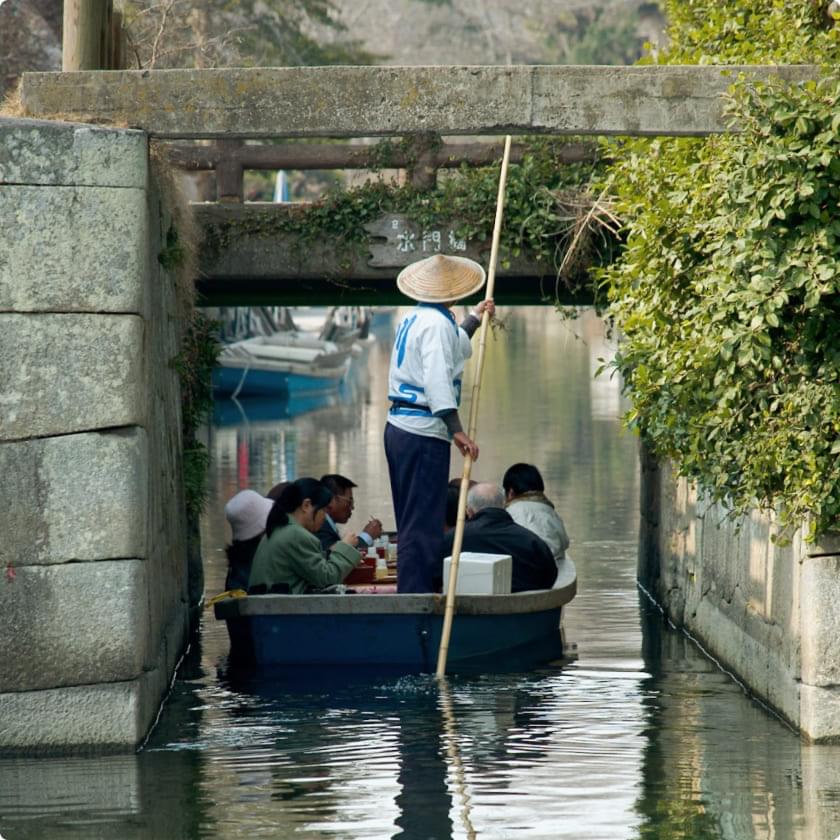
<point>396,604</point>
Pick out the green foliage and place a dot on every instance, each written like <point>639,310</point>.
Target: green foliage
<point>748,32</point>
<point>196,464</point>
<point>543,203</point>
<point>610,39</point>
<point>194,365</point>
<point>281,32</point>
<point>172,254</point>
<point>728,292</point>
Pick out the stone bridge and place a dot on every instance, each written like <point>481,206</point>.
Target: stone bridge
<point>95,602</point>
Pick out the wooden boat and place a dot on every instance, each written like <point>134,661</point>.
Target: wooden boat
<point>402,632</point>
<point>283,364</point>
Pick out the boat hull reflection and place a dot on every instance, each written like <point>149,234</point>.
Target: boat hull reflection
<point>235,412</point>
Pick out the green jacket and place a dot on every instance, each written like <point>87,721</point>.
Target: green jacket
<point>293,556</point>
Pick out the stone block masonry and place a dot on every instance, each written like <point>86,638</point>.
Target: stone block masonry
<point>94,269</point>
<point>93,600</point>
<point>77,497</point>
<point>768,613</point>
<point>69,373</point>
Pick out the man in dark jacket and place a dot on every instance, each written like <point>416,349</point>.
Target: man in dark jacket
<point>491,530</point>
<point>339,511</point>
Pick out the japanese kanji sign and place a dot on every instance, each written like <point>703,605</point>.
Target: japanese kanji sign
<point>405,241</point>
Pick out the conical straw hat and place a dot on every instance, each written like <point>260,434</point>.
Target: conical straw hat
<point>440,279</point>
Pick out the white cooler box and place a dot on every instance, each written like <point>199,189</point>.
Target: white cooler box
<point>480,574</point>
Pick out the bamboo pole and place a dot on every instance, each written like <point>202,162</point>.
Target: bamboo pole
<point>476,393</point>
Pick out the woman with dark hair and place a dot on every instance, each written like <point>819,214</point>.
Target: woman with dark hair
<point>290,558</point>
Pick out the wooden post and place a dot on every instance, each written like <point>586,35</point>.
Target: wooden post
<point>423,173</point>
<point>116,46</point>
<point>229,171</point>
<point>85,28</point>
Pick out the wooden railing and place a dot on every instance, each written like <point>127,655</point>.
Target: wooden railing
<point>422,156</point>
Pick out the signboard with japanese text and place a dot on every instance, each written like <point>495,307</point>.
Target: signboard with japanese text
<point>396,241</point>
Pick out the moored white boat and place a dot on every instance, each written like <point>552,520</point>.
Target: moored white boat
<point>284,363</point>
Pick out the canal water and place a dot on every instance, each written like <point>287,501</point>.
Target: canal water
<point>636,735</point>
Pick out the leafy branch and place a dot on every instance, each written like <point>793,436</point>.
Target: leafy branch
<point>728,290</point>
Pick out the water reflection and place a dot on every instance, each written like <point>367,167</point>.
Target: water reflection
<point>717,765</point>
<point>637,736</point>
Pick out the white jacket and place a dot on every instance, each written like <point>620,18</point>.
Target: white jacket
<point>536,513</point>
<point>427,364</point>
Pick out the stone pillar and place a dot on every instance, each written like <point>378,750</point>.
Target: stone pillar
<point>93,608</point>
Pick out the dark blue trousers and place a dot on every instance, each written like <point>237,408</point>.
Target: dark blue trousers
<point>419,471</point>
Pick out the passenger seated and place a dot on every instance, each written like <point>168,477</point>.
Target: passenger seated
<point>528,507</point>
<point>290,558</point>
<point>453,496</point>
<point>339,510</point>
<point>246,512</point>
<point>490,530</point>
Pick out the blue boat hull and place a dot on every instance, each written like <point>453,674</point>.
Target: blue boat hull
<point>265,383</point>
<point>397,632</point>
<point>408,642</point>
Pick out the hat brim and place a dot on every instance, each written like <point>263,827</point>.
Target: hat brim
<point>441,279</point>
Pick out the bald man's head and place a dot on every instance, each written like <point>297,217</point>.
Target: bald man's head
<point>485,495</point>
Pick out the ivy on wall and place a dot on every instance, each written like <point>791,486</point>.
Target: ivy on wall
<point>728,291</point>
<point>199,347</point>
<point>194,365</point>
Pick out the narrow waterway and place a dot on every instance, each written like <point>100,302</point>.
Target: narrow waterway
<point>636,735</point>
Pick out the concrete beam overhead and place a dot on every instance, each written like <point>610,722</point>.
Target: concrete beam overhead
<point>381,101</point>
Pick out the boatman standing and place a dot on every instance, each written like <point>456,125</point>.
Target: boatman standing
<point>424,387</point>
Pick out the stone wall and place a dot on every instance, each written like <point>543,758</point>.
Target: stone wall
<point>93,599</point>
<point>768,613</point>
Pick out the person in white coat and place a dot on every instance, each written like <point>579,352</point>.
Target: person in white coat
<point>528,506</point>
<point>424,387</point>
